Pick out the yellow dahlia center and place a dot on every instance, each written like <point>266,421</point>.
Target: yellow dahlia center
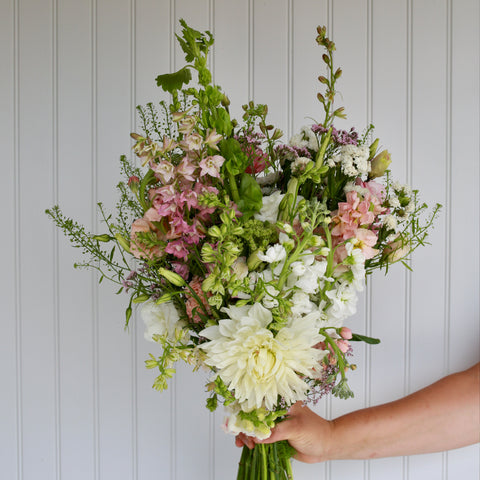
<point>262,363</point>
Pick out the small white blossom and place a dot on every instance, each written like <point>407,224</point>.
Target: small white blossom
<point>275,253</point>
<point>269,210</point>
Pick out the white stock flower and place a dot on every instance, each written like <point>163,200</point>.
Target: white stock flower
<point>270,299</point>
<point>258,365</point>
<point>307,273</point>
<point>161,320</point>
<point>301,303</point>
<point>269,210</point>
<point>234,424</point>
<point>305,139</point>
<point>275,253</point>
<point>343,303</point>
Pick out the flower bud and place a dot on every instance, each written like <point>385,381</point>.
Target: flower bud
<point>396,250</point>
<point>253,261</point>
<point>345,333</point>
<point>172,277</point>
<point>123,242</point>
<point>380,164</point>
<point>134,183</point>
<point>103,238</point>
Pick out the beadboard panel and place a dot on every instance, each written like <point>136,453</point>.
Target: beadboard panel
<point>77,400</point>
<point>10,438</point>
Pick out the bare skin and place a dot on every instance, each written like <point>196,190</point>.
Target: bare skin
<point>442,416</point>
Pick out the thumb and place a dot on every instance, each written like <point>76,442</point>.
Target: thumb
<point>284,429</point>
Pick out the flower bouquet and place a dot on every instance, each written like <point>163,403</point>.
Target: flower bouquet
<point>245,253</point>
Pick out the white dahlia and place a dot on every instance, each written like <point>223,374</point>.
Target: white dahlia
<point>258,365</point>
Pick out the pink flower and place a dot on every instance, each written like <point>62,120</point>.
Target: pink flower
<point>343,345</point>
<point>187,124</point>
<point>167,146</point>
<point>211,166</point>
<point>345,333</point>
<point>139,249</point>
<point>186,169</point>
<point>190,198</point>
<point>192,305</point>
<point>375,188</point>
<point>192,142</point>
<point>212,139</point>
<point>366,240</point>
<point>260,161</point>
<point>167,194</point>
<point>181,269</point>
<point>177,248</point>
<point>164,171</point>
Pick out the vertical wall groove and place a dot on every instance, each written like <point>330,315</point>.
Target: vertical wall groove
<point>133,331</point>
<point>94,196</point>
<point>409,154</point>
<point>369,293</point>
<point>56,304</point>
<point>448,200</point>
<point>16,243</point>
<point>251,46</point>
<point>290,67</point>
<point>173,387</point>
<point>211,417</point>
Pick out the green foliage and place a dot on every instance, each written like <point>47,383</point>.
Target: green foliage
<point>170,82</point>
<point>250,196</point>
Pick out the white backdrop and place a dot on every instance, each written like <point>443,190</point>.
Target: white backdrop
<point>76,400</point>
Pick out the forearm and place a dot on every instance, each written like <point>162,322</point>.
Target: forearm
<point>414,424</point>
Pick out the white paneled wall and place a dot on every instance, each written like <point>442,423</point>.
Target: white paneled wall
<point>76,401</point>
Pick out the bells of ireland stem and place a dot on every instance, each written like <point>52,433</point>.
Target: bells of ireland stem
<point>379,165</point>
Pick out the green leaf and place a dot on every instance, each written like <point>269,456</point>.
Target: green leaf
<point>236,161</point>
<point>362,338</point>
<point>194,42</point>
<point>250,195</point>
<point>171,82</point>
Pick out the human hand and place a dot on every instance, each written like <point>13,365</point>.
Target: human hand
<point>307,432</point>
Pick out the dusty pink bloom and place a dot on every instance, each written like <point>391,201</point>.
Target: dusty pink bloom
<point>139,249</point>
<point>167,145</point>
<point>166,193</point>
<point>152,215</point>
<point>187,124</point>
<point>366,240</point>
<point>192,305</point>
<point>343,345</point>
<point>177,248</point>
<point>192,142</point>
<point>212,139</point>
<point>181,269</point>
<point>133,183</point>
<point>211,166</point>
<point>345,333</point>
<point>164,171</point>
<point>186,169</point>
<point>375,188</point>
<point>164,209</point>
<point>189,197</point>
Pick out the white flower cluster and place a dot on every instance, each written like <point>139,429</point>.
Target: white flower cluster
<point>305,139</point>
<point>353,160</point>
<point>402,200</point>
